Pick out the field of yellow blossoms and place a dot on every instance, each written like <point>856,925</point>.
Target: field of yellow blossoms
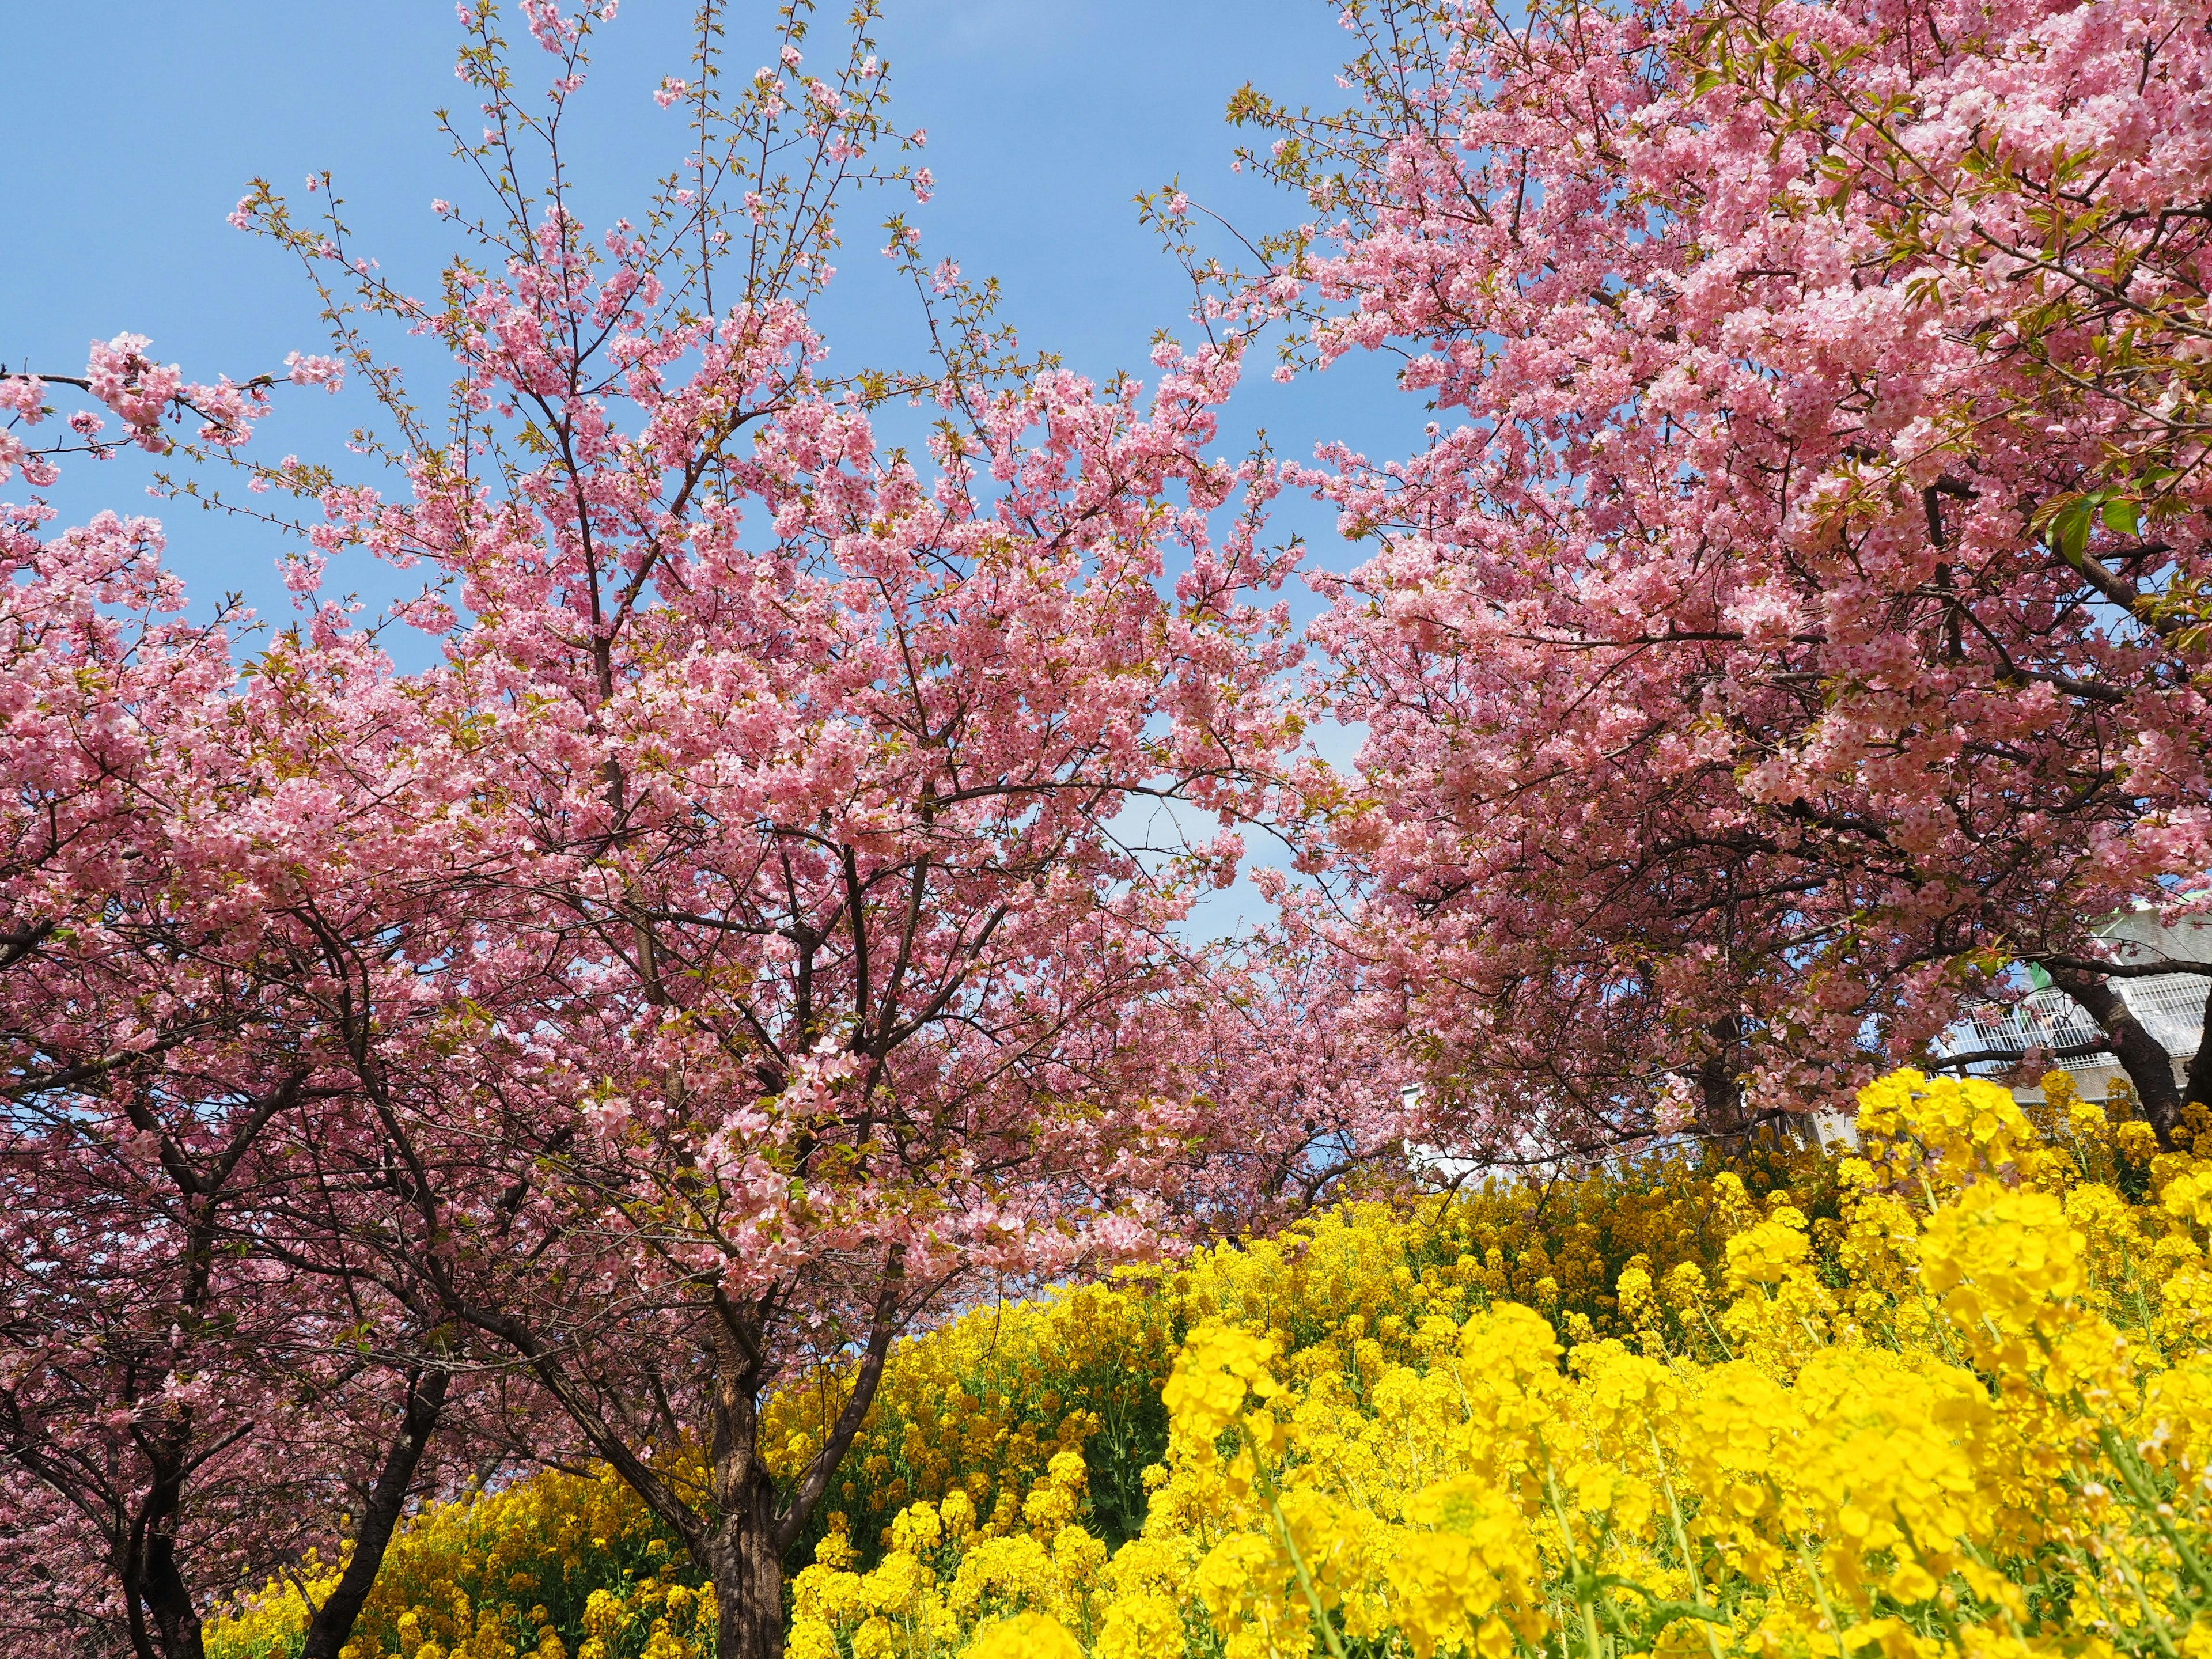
<point>1950,1395</point>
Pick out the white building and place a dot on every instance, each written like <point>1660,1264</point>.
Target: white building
<point>2170,1007</point>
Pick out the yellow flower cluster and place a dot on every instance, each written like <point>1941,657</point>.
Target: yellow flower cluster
<point>1969,1413</point>
<point>1954,1396</point>
<point>944,1575</point>
<point>557,1565</point>
<point>982,1405</point>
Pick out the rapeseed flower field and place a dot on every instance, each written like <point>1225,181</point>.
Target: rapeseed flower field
<point>1951,1395</point>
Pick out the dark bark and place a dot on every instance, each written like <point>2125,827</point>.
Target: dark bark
<point>155,1590</point>
<point>328,1631</point>
<point>2142,1055</point>
<point>741,1546</point>
<point>748,1572</point>
<point>2198,1087</point>
<point>744,1549</point>
<point>152,1584</point>
<point>740,1550</point>
<point>1720,1089</point>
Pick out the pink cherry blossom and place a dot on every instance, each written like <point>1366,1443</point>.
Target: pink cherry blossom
<point>732,952</point>
<point>1792,619</point>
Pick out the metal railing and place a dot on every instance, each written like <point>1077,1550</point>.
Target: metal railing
<point>2171,1007</point>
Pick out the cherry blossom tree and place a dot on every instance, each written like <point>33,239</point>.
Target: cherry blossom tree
<point>182,1402</point>
<point>791,971</point>
<point>105,1402</point>
<point>734,948</point>
<point>1795,614</point>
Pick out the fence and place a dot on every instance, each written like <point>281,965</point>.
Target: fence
<point>1990,1038</point>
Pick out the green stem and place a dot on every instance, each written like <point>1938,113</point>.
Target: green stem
<point>2139,1488</point>
<point>2151,1615</point>
<point>1682,1539</point>
<point>1591,1639</point>
<point>1268,1489</point>
<point>1305,1579</point>
<point>1821,1594</point>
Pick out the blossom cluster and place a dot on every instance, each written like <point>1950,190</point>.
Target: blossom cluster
<point>1951,1395</point>
<point>148,398</point>
<point>1969,1415</point>
<point>557,1565</point>
<point>982,1404</point>
<point>1775,628</point>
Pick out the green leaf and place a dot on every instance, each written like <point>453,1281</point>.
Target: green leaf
<point>2069,527</point>
<point>2122,515</point>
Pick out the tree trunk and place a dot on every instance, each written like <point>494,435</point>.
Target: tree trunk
<point>169,1605</point>
<point>742,1550</point>
<point>1720,1089</point>
<point>2144,1058</point>
<point>2198,1087</point>
<point>153,1579</point>
<point>334,1620</point>
<point>747,1566</point>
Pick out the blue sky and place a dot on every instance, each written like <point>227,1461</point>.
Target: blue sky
<point>134,126</point>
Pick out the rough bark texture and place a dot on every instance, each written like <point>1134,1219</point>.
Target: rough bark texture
<point>1720,1089</point>
<point>2198,1087</point>
<point>741,1547</point>
<point>153,1584</point>
<point>334,1620</point>
<point>2142,1055</point>
<point>748,1570</point>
